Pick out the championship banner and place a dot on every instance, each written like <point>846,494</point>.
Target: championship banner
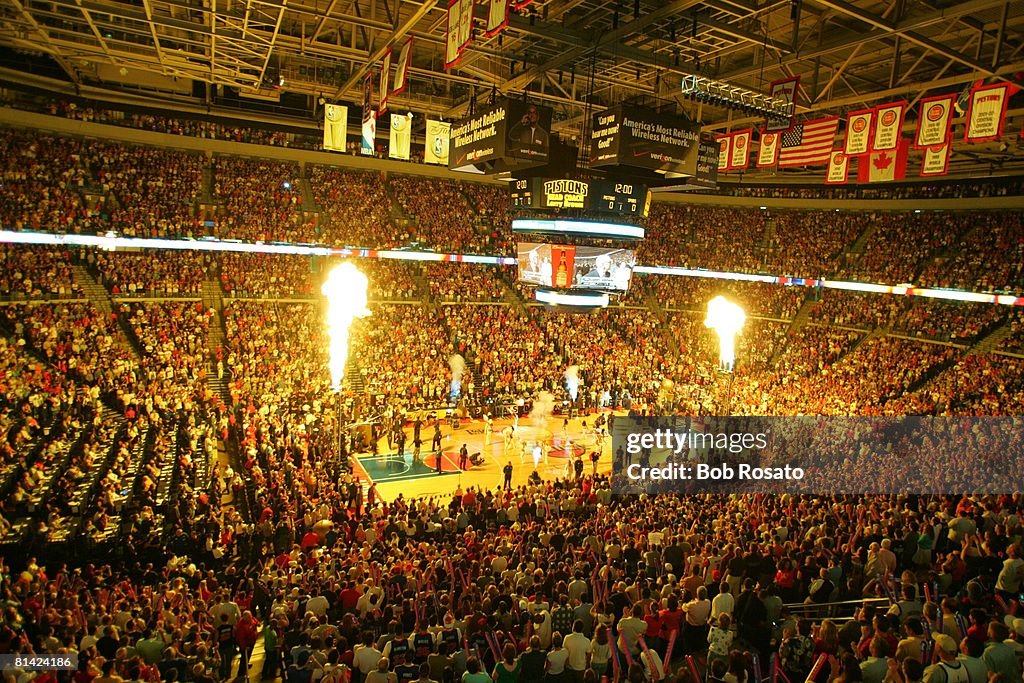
<point>335,127</point>
<point>399,140</point>
<point>935,114</point>
<point>986,112</point>
<point>369,132</point>
<point>739,158</point>
<point>785,89</point>
<point>724,152</point>
<point>385,83</point>
<point>838,168</point>
<point>858,132</point>
<point>935,161</point>
<point>436,147</point>
<point>497,17</point>
<point>768,153</point>
<point>465,24</point>
<point>402,73</point>
<point>888,126</point>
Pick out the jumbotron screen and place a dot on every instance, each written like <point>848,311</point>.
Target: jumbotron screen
<point>565,266</point>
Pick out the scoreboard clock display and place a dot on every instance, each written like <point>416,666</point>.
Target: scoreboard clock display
<point>604,196</point>
<point>616,196</point>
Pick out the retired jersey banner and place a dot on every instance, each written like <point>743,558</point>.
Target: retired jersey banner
<point>401,133</point>
<point>451,44</point>
<point>933,121</point>
<point>497,17</point>
<point>335,127</point>
<point>437,142</point>
<point>838,168</point>
<point>768,152</point>
<point>888,126</point>
<point>739,157</point>
<point>785,90</point>
<point>402,73</point>
<point>986,112</point>
<point>936,159</point>
<point>385,83</point>
<point>724,152</point>
<point>858,132</point>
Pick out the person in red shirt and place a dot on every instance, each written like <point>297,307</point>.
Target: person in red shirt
<point>349,596</point>
<point>246,631</point>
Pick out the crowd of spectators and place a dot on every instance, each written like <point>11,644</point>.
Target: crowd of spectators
<point>466,282</point>
<point>148,273</point>
<point>36,272</point>
<point>261,200</point>
<point>357,209</point>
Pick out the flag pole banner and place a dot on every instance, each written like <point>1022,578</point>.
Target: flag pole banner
<point>785,89</point>
<point>399,141</point>
<point>934,117</point>
<point>809,143</point>
<point>402,73</point>
<point>739,157</point>
<point>724,152</point>
<point>888,126</point>
<point>768,152</point>
<point>935,161</point>
<point>986,112</point>
<point>385,83</point>
<point>858,132</point>
<point>335,127</point>
<point>838,168</point>
<point>437,142</point>
<point>497,17</point>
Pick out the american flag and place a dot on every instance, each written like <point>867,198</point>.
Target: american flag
<point>808,143</point>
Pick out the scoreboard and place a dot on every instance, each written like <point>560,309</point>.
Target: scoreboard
<point>605,196</point>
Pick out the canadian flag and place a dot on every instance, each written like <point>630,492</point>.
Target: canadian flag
<point>882,167</point>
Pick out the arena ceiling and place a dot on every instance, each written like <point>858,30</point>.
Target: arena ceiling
<point>571,54</point>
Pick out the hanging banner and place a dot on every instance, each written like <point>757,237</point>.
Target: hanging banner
<point>838,168</point>
<point>935,161</point>
<point>402,73</point>
<point>739,158</point>
<point>335,127</point>
<point>451,45</point>
<point>385,84</point>
<point>768,153</point>
<point>888,126</point>
<point>885,166</point>
<point>465,24</point>
<point>933,121</point>
<point>724,152</point>
<point>436,147</point>
<point>986,112</point>
<point>369,132</point>
<point>858,132</point>
<point>497,17</point>
<point>399,140</point>
<point>786,90</point>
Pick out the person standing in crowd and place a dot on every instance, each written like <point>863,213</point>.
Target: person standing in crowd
<point>507,470</point>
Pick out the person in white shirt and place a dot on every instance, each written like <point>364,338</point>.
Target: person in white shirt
<point>366,656</point>
<point>724,602</point>
<point>578,646</point>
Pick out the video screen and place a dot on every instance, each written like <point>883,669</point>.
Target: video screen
<point>575,267</point>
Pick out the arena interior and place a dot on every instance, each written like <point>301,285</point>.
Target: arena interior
<point>317,319</point>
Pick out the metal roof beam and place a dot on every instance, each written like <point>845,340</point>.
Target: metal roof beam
<point>893,28</point>
<point>403,28</point>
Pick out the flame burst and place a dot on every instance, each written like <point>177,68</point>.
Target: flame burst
<point>726,319</point>
<point>345,289</point>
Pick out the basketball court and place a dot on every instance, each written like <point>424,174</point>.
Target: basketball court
<point>548,446</point>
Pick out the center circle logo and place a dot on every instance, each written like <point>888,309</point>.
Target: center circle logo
<point>889,118</point>
<point>935,112</point>
<point>859,125</point>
